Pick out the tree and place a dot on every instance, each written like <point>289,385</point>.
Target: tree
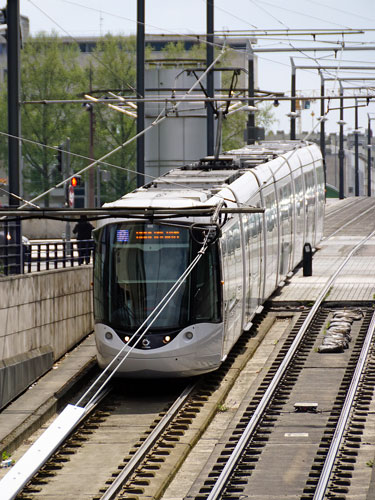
<point>49,70</point>
<point>115,69</point>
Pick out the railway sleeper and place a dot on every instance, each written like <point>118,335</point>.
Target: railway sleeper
<point>339,489</point>
<point>133,490</point>
<point>340,481</point>
<point>31,489</point>
<point>312,482</point>
<point>353,438</point>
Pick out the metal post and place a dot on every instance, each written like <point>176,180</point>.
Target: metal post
<point>251,115</point>
<point>322,128</point>
<point>140,91</point>
<point>98,186</point>
<point>293,102</point>
<point>14,119</point>
<point>356,152</point>
<point>91,174</point>
<point>341,146</point>
<point>66,163</point>
<point>210,76</point>
<point>369,157</point>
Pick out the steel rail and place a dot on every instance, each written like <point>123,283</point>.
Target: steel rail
<point>242,443</point>
<point>44,447</point>
<point>341,425</point>
<point>349,222</point>
<point>147,445</point>
<point>337,209</point>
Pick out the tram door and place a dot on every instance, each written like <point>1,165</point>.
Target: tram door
<point>233,283</point>
<point>253,242</point>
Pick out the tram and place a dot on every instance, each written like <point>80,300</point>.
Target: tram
<point>139,257</point>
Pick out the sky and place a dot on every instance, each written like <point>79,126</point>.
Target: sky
<point>98,17</point>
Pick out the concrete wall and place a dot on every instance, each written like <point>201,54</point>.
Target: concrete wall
<point>36,229</point>
<point>49,311</point>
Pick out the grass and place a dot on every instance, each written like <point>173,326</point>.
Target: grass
<point>222,408</point>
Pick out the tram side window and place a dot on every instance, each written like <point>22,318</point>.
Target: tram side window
<point>229,263</point>
<point>99,275</point>
<point>299,194</point>
<point>205,291</point>
<point>270,211</point>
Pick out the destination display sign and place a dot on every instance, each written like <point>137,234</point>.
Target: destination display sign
<point>127,235</point>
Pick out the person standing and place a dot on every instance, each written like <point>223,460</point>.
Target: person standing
<point>83,230</point>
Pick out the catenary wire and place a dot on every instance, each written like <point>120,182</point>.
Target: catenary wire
<point>162,116</point>
<point>327,5</point>
<point>304,14</point>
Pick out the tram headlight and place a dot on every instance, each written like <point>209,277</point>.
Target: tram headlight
<point>189,335</point>
<point>126,339</point>
<point>108,335</point>
<point>166,339</point>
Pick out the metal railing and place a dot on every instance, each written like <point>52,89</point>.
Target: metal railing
<point>45,255</point>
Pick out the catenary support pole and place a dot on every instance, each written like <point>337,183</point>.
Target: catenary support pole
<point>140,91</point>
<point>369,159</point>
<point>341,146</point>
<point>14,119</point>
<point>251,102</point>
<point>91,174</point>
<point>322,128</point>
<point>293,103</point>
<point>356,151</point>
<point>210,76</point>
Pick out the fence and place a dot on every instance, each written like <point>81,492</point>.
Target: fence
<point>40,256</point>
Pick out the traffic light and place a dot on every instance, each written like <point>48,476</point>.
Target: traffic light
<point>76,181</point>
<point>4,21</point>
<point>77,185</point>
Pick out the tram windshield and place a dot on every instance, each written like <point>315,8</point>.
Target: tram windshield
<point>136,264</point>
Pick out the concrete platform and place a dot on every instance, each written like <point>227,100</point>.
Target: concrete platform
<point>44,398</point>
<point>357,280</point>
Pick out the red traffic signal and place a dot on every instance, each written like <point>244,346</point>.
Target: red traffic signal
<point>75,181</point>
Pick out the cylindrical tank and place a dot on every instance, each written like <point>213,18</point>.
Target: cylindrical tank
<point>181,138</point>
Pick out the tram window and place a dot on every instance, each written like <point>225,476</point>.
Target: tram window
<point>205,291</point>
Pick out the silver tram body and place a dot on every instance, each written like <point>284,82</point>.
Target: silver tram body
<point>137,261</point>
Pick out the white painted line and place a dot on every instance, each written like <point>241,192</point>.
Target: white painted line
<point>296,434</point>
<point>39,452</point>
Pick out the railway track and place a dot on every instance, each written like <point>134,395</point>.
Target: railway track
<point>303,371</point>
<point>284,453</point>
<point>97,461</point>
<point>339,218</point>
<point>103,442</point>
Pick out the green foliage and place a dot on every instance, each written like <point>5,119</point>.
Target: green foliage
<point>49,70</point>
<point>222,408</point>
<point>54,70</point>
<point>116,69</point>
<point>174,50</point>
